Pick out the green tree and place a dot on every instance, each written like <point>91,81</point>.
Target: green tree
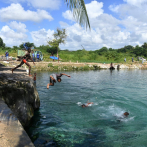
<point>60,36</point>
<point>144,45</point>
<point>52,49</point>
<point>2,44</point>
<point>102,50</point>
<point>15,48</point>
<point>28,44</point>
<point>79,11</point>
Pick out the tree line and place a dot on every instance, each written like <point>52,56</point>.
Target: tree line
<point>104,53</point>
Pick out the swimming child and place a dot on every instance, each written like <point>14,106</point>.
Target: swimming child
<point>125,114</point>
<point>87,104</point>
<point>25,58</point>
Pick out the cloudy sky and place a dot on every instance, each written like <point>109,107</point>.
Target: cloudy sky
<point>114,23</point>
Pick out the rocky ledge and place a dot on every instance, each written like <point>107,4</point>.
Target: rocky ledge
<point>18,91</point>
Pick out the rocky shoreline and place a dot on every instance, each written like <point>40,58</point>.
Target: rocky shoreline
<point>72,66</point>
<point>18,100</point>
<point>19,92</point>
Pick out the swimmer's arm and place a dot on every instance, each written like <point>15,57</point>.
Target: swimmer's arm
<point>65,74</point>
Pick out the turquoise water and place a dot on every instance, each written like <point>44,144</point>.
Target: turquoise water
<point>61,121</point>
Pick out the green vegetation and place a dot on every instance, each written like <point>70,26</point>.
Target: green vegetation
<point>60,36</point>
<point>103,55</point>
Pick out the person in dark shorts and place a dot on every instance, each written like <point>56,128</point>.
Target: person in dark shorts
<point>25,58</point>
<point>54,78</point>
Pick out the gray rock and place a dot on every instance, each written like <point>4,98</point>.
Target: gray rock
<point>20,94</point>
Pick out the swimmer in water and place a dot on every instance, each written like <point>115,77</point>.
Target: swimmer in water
<point>125,114</point>
<point>87,104</point>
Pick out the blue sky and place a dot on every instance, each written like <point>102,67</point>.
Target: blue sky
<point>114,23</point>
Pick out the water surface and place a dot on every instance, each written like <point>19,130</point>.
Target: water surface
<point>61,121</point>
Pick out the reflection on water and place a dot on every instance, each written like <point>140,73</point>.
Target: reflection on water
<point>61,121</point>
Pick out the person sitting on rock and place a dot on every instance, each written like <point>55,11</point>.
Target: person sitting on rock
<point>25,58</point>
<point>54,78</point>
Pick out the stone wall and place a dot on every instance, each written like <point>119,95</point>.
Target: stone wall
<point>20,94</point>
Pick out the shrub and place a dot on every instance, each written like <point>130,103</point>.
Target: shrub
<point>50,65</point>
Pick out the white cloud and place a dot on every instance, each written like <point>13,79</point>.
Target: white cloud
<point>68,15</point>
<point>17,12</point>
<point>135,2</point>
<point>114,8</point>
<point>41,36</point>
<point>94,9</point>
<point>63,24</point>
<point>20,27</point>
<point>51,4</point>
<point>12,38</point>
<point>106,30</point>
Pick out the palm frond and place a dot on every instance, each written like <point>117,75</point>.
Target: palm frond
<point>79,12</point>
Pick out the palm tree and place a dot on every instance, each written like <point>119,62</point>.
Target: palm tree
<point>79,12</point>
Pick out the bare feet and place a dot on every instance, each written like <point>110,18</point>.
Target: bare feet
<point>48,86</point>
<point>12,70</point>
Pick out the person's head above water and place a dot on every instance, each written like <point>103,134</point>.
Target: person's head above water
<point>83,105</point>
<point>59,79</point>
<point>126,114</point>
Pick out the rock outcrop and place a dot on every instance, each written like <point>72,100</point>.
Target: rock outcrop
<point>19,93</point>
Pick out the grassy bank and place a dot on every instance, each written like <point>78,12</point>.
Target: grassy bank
<point>81,56</point>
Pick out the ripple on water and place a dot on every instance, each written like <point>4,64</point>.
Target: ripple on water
<point>61,118</point>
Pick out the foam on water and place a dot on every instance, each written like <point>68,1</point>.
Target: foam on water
<point>80,103</point>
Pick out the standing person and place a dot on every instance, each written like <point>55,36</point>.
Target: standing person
<point>132,59</point>
<point>25,58</point>
<point>125,59</point>
<point>54,78</point>
<point>111,66</point>
<point>7,55</point>
<point>38,56</point>
<point>34,77</point>
<point>52,55</point>
<point>142,60</point>
<point>33,56</point>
